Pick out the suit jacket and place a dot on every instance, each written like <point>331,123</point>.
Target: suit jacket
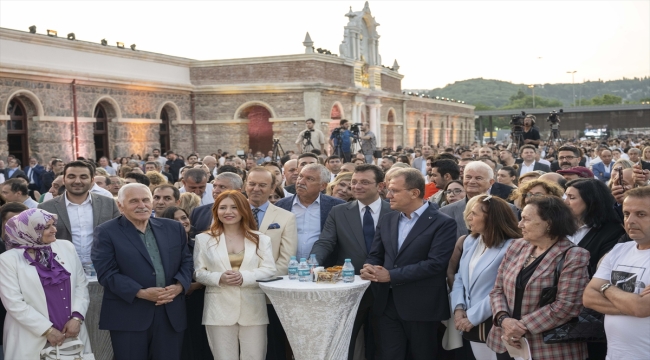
<point>201,218</point>
<point>124,267</point>
<point>502,191</point>
<point>455,211</point>
<point>46,181</point>
<point>104,209</point>
<point>343,236</point>
<point>599,170</point>
<point>229,305</point>
<point>599,241</point>
<point>326,204</point>
<point>291,189</point>
<point>474,293</point>
<point>16,173</point>
<point>38,172</point>
<point>567,305</point>
<point>23,296</point>
<point>283,234</point>
<point>418,269</point>
<point>417,163</point>
<point>537,166</point>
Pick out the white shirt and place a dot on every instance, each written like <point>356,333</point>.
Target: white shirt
<point>476,256</point>
<point>100,191</point>
<point>627,268</point>
<point>81,227</point>
<point>30,171</point>
<point>580,233</point>
<point>308,224</point>
<point>207,194</point>
<point>527,169</point>
<point>375,208</point>
<point>405,224</point>
<point>30,203</point>
<point>545,162</point>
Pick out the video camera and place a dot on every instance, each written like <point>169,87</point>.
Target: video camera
<point>307,134</point>
<point>517,120</point>
<point>553,116</point>
<point>354,128</point>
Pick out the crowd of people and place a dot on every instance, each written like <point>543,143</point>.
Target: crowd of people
<point>473,251</point>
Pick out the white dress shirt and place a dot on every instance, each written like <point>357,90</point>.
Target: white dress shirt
<point>100,191</point>
<point>375,208</point>
<point>30,173</point>
<point>308,224</point>
<point>81,227</point>
<point>207,194</point>
<point>579,235</point>
<point>527,169</point>
<point>30,203</point>
<point>405,224</point>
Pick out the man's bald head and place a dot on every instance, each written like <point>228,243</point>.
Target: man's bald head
<point>554,178</point>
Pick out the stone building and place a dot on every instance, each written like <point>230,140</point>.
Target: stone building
<point>64,97</point>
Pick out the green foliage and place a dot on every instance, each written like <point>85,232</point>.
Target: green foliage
<point>526,102</point>
<point>607,99</point>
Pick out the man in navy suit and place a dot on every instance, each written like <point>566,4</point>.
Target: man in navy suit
<point>145,267</point>
<point>34,172</point>
<point>603,168</point>
<point>310,206</point>
<point>201,217</point>
<point>407,263</point>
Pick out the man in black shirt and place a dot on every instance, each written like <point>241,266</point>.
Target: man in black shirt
<point>531,135</point>
<point>175,164</point>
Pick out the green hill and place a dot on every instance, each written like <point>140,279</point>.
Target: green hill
<point>496,93</point>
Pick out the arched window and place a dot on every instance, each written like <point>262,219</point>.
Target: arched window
<point>418,134</point>
<point>164,131</point>
<point>100,133</point>
<point>17,131</point>
<point>441,140</point>
<point>390,130</point>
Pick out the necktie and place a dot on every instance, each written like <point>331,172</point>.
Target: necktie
<point>257,221</point>
<point>29,175</point>
<point>368,228</point>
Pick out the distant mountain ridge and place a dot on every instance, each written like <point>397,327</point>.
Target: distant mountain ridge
<point>497,93</point>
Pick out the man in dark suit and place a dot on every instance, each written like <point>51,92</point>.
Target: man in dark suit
<point>349,231</point>
<point>201,217</point>
<point>303,160</point>
<point>34,171</point>
<point>529,164</point>
<point>80,211</point>
<point>145,267</point>
<point>407,264</point>
<point>310,206</point>
<point>48,177</point>
<point>13,169</point>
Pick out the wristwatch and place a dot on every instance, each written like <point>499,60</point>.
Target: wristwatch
<point>604,287</point>
<point>78,319</point>
<point>501,318</point>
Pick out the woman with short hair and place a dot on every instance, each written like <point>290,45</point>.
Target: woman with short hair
<point>340,187</point>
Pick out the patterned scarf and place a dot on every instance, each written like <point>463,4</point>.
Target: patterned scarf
<point>25,231</point>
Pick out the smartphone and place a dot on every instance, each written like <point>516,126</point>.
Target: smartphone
<point>276,278</point>
<point>620,175</point>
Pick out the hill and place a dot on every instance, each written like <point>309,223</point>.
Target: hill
<point>497,93</point>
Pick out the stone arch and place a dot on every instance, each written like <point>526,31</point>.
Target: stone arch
<point>336,114</point>
<point>418,134</point>
<point>248,104</point>
<point>441,140</point>
<point>430,135</point>
<point>338,105</point>
<point>31,102</point>
<point>173,111</point>
<point>390,128</point>
<point>113,111</point>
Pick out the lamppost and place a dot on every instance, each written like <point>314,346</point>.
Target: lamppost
<point>573,86</point>
<point>533,87</point>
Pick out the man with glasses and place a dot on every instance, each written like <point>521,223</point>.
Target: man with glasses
<point>348,226</point>
<point>407,265</point>
<point>568,157</point>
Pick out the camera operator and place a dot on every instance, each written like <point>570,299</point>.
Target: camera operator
<point>368,142</point>
<point>345,136</point>
<point>531,135</point>
<point>316,137</point>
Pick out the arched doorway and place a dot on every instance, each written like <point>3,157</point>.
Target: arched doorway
<point>17,131</point>
<point>390,130</point>
<point>260,130</point>
<point>164,131</point>
<point>335,115</point>
<point>418,134</point>
<point>430,137</point>
<point>441,140</point>
<point>100,133</point>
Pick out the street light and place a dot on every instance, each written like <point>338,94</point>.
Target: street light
<point>573,85</point>
<point>533,87</point>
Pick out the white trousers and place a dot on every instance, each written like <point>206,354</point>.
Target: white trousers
<point>226,342</point>
<point>482,351</point>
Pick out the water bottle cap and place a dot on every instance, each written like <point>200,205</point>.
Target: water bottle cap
<point>293,258</point>
<point>312,255</point>
<point>302,259</point>
<point>348,260</point>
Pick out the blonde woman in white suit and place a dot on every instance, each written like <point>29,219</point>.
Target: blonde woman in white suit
<point>228,259</point>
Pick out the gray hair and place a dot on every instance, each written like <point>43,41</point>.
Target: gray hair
<point>480,166</point>
<point>235,180</point>
<point>624,164</point>
<point>120,194</point>
<point>324,173</point>
<point>197,175</point>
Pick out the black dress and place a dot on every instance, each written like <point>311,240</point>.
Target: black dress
<point>195,340</point>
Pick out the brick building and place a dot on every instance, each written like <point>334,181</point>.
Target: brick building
<point>68,98</point>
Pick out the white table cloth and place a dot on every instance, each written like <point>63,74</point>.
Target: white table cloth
<point>317,317</point>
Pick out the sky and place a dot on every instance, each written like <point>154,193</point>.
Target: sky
<point>434,42</point>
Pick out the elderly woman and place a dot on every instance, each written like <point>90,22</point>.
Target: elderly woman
<point>527,268</point>
<point>493,226</point>
<point>42,286</point>
<point>535,188</point>
<point>189,201</point>
<point>340,187</point>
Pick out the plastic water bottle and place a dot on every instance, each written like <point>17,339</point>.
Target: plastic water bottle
<point>348,271</point>
<point>303,271</point>
<point>313,263</point>
<point>293,268</point>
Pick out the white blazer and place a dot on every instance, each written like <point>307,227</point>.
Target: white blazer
<point>280,226</point>
<point>229,305</point>
<point>24,298</point>
<point>474,293</point>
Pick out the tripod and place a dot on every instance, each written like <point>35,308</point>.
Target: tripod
<point>356,141</point>
<point>278,151</point>
<point>554,136</point>
<point>307,145</point>
<point>517,139</point>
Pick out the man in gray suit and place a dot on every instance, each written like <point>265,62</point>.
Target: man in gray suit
<point>79,211</point>
<point>349,231</point>
<point>478,178</point>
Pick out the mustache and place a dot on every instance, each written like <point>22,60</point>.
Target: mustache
<point>565,163</point>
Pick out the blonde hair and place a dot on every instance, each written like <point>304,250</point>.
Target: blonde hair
<point>468,208</point>
<point>189,201</point>
<point>155,179</point>
<point>345,176</point>
<point>643,157</point>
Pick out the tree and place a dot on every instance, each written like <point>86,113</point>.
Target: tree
<point>607,99</point>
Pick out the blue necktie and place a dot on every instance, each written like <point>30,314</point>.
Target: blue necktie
<point>368,228</point>
<point>257,220</point>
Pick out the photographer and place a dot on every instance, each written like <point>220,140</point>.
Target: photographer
<point>344,136</point>
<point>368,142</point>
<point>531,135</point>
<point>310,138</point>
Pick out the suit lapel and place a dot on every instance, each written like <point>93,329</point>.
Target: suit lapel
<point>62,211</point>
<point>420,225</point>
<point>324,210</point>
<point>249,254</point>
<point>394,234</point>
<point>486,260</point>
<point>354,220</point>
<point>464,263</point>
<point>587,238</point>
<point>97,209</point>
<point>131,233</point>
<point>556,250</point>
<point>222,252</point>
<point>269,216</point>
<point>163,244</point>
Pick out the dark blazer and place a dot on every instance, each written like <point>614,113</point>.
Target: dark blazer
<point>537,166</point>
<point>291,189</point>
<point>502,191</point>
<point>326,204</point>
<point>124,267</point>
<point>343,236</point>
<point>201,218</point>
<point>47,178</point>
<point>645,165</point>
<point>104,209</point>
<point>418,269</point>
<point>599,241</point>
<point>599,170</point>
<point>16,174</point>
<point>38,172</point>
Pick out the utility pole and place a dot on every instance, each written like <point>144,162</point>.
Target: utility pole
<point>573,86</point>
<point>533,87</point>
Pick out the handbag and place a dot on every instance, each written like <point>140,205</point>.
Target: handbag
<point>588,326</point>
<point>71,349</point>
<point>479,333</point>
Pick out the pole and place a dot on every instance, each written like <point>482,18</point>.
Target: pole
<point>491,128</point>
<point>76,124</point>
<point>573,86</point>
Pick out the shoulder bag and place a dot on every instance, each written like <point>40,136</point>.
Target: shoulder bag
<point>71,349</point>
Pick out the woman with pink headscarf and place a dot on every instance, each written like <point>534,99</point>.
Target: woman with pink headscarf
<point>42,286</point>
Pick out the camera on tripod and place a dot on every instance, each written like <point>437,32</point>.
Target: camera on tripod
<point>517,120</point>
<point>306,135</point>
<point>553,116</point>
<point>354,128</point>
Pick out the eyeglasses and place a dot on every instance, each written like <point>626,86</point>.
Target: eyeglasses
<point>362,183</point>
<point>393,191</point>
<point>530,195</point>
<point>562,158</point>
<point>454,191</point>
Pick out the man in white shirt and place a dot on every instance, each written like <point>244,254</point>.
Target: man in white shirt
<point>196,181</point>
<point>528,154</point>
<point>105,164</point>
<point>620,290</point>
<point>15,190</point>
<point>333,164</point>
<point>160,159</point>
<point>538,158</point>
<point>420,163</point>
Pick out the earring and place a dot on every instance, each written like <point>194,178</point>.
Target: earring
<point>548,229</point>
